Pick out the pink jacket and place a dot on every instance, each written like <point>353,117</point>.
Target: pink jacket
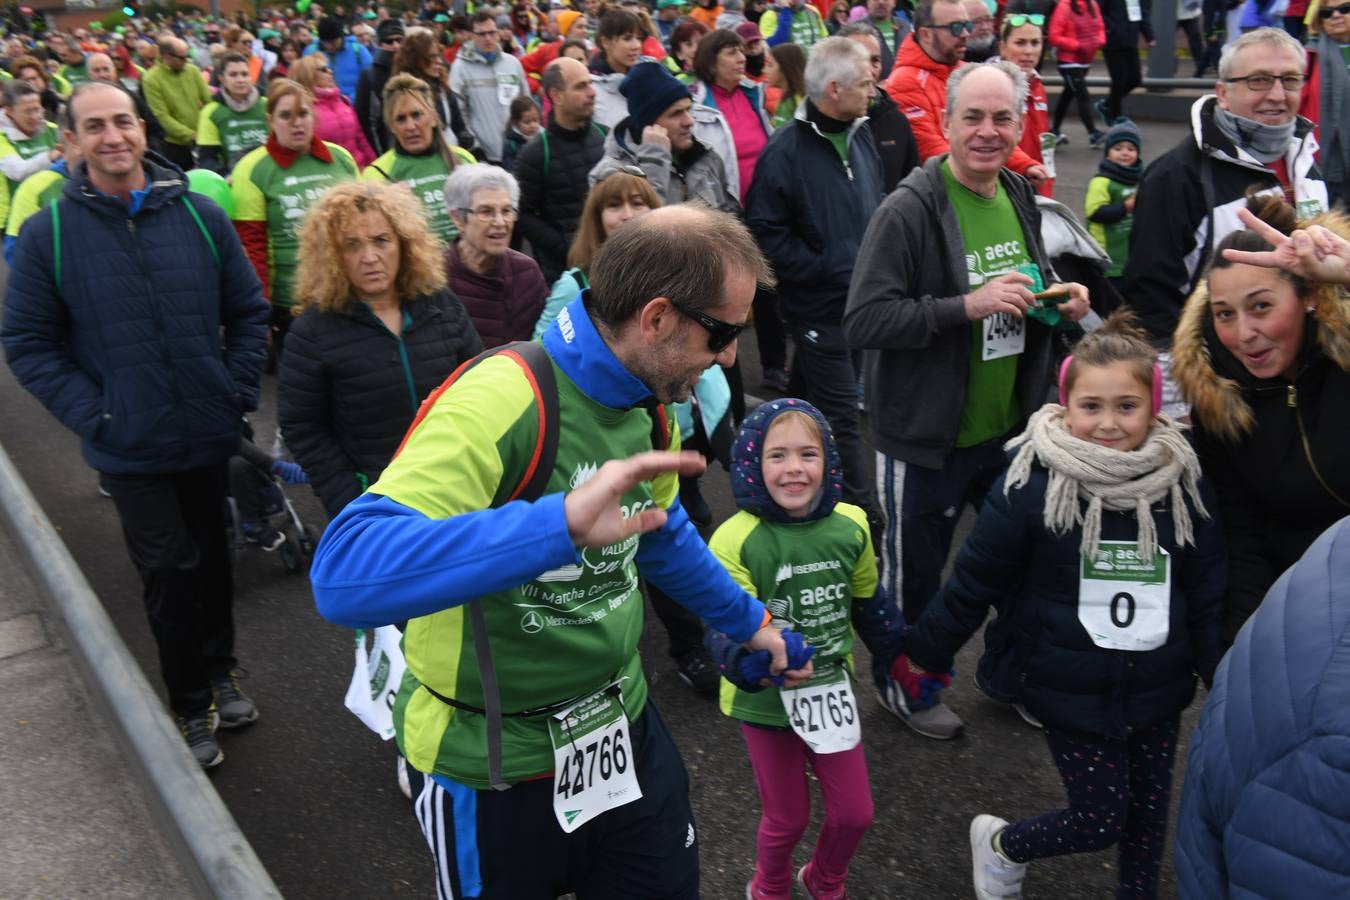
<point>1077,37</point>
<point>336,123</point>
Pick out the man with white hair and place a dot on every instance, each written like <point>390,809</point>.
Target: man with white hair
<point>942,295</point>
<point>1247,134</point>
<point>816,184</point>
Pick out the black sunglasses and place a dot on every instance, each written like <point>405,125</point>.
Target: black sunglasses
<point>720,334</point>
<point>955,29</point>
<point>1326,12</point>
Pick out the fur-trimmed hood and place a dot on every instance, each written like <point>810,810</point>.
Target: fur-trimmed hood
<point>1215,383</point>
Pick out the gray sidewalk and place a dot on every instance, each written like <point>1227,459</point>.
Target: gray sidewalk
<point>76,822</point>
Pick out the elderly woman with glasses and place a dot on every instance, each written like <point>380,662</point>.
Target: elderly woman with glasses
<point>502,289</point>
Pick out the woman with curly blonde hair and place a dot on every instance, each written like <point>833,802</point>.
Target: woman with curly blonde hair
<point>378,329</point>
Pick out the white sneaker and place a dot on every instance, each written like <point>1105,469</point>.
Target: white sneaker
<point>995,875</point>
<point>404,785</point>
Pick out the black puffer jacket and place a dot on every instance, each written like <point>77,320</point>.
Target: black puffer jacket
<point>552,170</point>
<point>1275,450</point>
<point>1068,682</point>
<point>370,100</point>
<point>350,388</point>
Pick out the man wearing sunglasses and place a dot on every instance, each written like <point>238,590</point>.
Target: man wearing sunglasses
<point>370,86</point>
<point>1247,136</point>
<point>553,583</point>
<point>1326,95</point>
<point>176,92</point>
<point>918,85</point>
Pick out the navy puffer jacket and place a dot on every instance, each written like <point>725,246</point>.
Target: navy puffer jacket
<point>130,353</point>
<point>350,388</point>
<point>1265,811</point>
<point>1068,682</point>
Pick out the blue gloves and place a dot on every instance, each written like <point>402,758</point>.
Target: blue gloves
<point>754,666</point>
<point>289,472</point>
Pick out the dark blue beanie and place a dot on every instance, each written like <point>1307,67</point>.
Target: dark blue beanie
<point>650,91</point>
<point>747,474</point>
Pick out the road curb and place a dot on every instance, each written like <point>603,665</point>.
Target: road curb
<point>213,852</point>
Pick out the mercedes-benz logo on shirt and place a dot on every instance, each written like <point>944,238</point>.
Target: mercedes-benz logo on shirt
<point>531,622</point>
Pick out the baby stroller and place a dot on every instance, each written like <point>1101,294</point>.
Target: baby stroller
<point>260,513</point>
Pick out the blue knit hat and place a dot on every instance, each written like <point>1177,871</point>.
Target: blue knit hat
<point>1123,130</point>
<point>747,471</point>
<point>650,91</point>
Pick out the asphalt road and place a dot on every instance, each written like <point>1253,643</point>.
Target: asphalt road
<point>314,791</point>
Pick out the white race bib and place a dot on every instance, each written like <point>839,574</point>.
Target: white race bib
<point>823,713</point>
<point>507,89</point>
<point>1124,603</point>
<point>1004,335</point>
<point>594,770</point>
<point>1133,12</point>
<point>376,679</point>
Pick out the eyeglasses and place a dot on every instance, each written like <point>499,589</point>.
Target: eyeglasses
<point>492,33</point>
<point>173,55</point>
<point>625,169</point>
<point>393,40</point>
<point>1260,83</point>
<point>326,69</point>
<point>720,334</point>
<point>1326,12</point>
<point>490,214</point>
<point>955,29</point>
<point>1021,19</point>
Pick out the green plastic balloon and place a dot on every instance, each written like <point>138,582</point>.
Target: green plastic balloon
<point>209,184</point>
<point>303,5</point>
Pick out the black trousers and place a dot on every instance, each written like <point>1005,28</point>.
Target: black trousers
<point>1123,67</point>
<point>770,336</point>
<point>823,373</point>
<point>174,527</point>
<point>1075,88</point>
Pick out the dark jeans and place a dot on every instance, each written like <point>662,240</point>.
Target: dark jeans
<point>824,374</point>
<point>1123,67</point>
<point>1075,88</point>
<point>770,335</point>
<point>1118,792</point>
<point>174,527</point>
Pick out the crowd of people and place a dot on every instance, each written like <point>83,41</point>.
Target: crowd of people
<point>500,262</point>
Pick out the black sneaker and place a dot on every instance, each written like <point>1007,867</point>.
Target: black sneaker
<point>698,671</point>
<point>200,734</point>
<point>233,706</point>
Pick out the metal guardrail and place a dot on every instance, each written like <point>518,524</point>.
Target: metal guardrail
<point>1101,81</point>
<point>215,855</point>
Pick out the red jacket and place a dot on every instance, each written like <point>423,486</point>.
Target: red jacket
<point>1077,37</point>
<point>1035,120</point>
<point>1310,104</point>
<point>918,85</point>
<point>536,61</point>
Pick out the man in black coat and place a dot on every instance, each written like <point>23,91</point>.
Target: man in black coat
<point>370,86</point>
<point>553,167</point>
<point>891,133</point>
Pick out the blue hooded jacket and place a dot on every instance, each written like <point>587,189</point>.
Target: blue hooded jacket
<point>1265,810</point>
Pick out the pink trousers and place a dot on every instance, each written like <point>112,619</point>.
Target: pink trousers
<point>780,759</point>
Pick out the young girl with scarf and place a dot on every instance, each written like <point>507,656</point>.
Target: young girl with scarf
<point>1100,529</point>
<point>809,558</point>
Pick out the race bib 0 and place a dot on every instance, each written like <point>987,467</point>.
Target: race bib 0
<point>593,765</point>
<point>823,713</point>
<point>1124,603</point>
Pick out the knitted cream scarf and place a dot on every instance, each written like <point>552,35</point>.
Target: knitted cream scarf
<point>1122,481</point>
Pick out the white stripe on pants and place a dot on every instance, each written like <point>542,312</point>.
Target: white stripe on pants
<point>891,495</point>
<point>430,810</point>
